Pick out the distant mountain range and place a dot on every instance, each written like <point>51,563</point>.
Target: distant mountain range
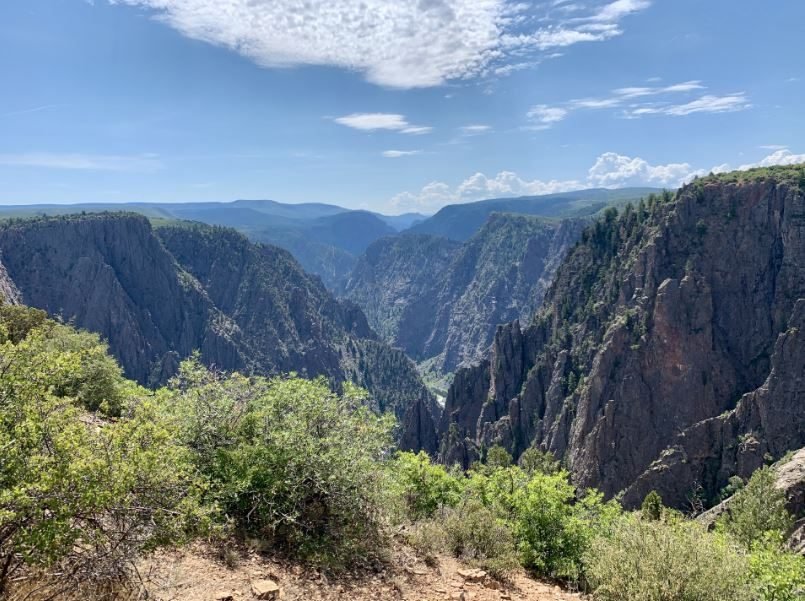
<point>434,287</point>
<point>461,221</point>
<point>327,239</point>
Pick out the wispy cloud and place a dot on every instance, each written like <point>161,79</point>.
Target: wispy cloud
<point>641,101</point>
<point>380,121</point>
<point>545,116</point>
<point>399,44</point>
<point>82,162</point>
<point>475,130</point>
<point>396,154</point>
<point>30,110</point>
<point>706,104</point>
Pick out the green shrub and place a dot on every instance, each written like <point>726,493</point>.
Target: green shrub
<point>536,461</point>
<point>651,509</point>
<point>423,486</point>
<point>289,461</point>
<point>757,511</point>
<point>498,457</point>
<point>81,497</point>
<point>675,560</point>
<point>475,534</point>
<point>552,529</point>
<point>777,575</point>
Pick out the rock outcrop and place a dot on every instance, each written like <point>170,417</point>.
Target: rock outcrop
<point>440,300</point>
<point>8,290</point>
<point>158,295</point>
<point>669,352</point>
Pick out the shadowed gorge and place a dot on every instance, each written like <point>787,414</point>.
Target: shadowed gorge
<point>441,301</point>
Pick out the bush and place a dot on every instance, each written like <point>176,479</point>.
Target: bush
<point>651,509</point>
<point>498,457</point>
<point>423,486</point>
<point>777,575</point>
<point>552,529</point>
<point>757,511</point>
<point>470,532</point>
<point>473,533</point>
<point>534,461</point>
<point>674,560</point>
<point>80,497</point>
<point>289,461</point>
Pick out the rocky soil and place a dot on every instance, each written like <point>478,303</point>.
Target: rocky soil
<point>199,575</point>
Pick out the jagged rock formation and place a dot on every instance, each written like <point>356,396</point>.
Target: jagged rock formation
<point>440,300</point>
<point>158,295</point>
<point>669,352</point>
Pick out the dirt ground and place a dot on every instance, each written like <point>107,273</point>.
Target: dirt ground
<point>197,574</point>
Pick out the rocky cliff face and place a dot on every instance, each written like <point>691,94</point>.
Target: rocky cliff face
<point>441,300</point>
<point>158,295</point>
<point>8,291</point>
<point>668,354</point>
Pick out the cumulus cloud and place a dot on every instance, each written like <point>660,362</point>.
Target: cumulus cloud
<point>82,162</point>
<point>782,156</point>
<point>609,170</point>
<point>615,170</point>
<point>398,44</point>
<point>388,121</point>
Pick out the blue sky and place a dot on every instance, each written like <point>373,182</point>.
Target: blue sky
<point>390,105</point>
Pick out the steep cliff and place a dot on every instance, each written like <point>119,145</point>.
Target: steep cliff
<point>158,295</point>
<point>8,290</point>
<point>668,353</point>
<point>441,300</point>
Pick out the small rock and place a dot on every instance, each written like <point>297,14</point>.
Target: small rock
<point>265,589</point>
<point>472,575</point>
<point>224,596</point>
<point>458,596</point>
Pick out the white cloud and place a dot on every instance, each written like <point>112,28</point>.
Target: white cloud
<point>545,115</point>
<point>641,101</point>
<point>82,162</point>
<point>474,130</point>
<point>615,170</point>
<point>779,157</point>
<point>435,195</point>
<point>417,130</point>
<point>398,44</point>
<point>610,170</point>
<point>376,121</point>
<point>637,92</point>
<point>706,104</point>
<point>396,154</point>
